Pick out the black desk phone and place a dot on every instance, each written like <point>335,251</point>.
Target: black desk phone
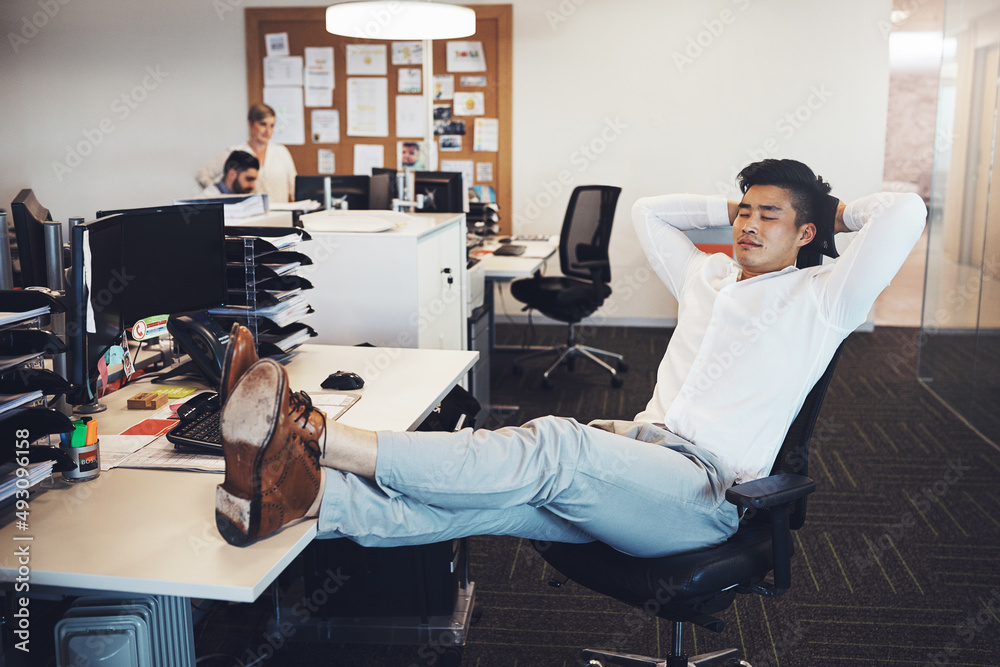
<point>204,340</point>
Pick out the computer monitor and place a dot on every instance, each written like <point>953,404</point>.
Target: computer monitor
<point>354,189</point>
<point>442,191</point>
<point>29,232</point>
<point>383,189</point>
<point>135,263</point>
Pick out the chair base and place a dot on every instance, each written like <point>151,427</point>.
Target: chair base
<point>599,658</point>
<point>567,354</point>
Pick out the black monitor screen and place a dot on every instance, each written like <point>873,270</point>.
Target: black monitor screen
<point>173,260</point>
<point>135,263</point>
<point>354,190</point>
<point>442,191</point>
<point>383,188</point>
<point>29,218</point>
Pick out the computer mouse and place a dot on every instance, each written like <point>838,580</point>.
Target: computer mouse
<point>343,380</point>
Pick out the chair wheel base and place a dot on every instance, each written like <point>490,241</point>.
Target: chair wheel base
<point>600,658</point>
<point>617,382</point>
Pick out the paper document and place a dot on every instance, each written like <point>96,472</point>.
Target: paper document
<point>302,205</point>
<point>411,116</point>
<point>290,123</point>
<point>160,454</point>
<point>7,318</point>
<point>116,448</point>
<point>283,71</point>
<point>367,59</point>
<point>368,107</point>
<point>325,126</point>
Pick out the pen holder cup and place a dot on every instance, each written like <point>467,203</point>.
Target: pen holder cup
<point>87,460</point>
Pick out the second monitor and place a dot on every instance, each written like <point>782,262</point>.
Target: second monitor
<point>442,191</point>
<point>357,192</point>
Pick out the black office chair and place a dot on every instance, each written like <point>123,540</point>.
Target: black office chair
<point>28,216</point>
<point>690,587</point>
<point>583,287</point>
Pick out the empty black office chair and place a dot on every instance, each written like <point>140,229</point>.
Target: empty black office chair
<point>690,587</point>
<point>28,216</point>
<point>583,287</point>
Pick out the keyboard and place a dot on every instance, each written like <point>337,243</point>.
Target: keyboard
<point>200,432</point>
<point>510,249</point>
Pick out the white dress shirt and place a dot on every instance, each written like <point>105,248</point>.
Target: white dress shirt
<point>745,354</point>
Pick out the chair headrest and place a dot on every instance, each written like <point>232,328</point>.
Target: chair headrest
<point>826,216</point>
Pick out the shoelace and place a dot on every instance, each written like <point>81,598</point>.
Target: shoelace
<point>301,401</point>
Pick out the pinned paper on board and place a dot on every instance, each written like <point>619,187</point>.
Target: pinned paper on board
<point>410,80</point>
<point>368,107</point>
<point>276,44</point>
<point>411,116</point>
<point>450,143</point>
<point>367,157</point>
<point>487,134</point>
<point>283,71</point>
<point>407,53</point>
<point>484,172</point>
<point>465,57</point>
<point>325,126</point>
<point>469,104</point>
<point>367,59</point>
<point>326,161</point>
<point>318,75</point>
<point>444,87</point>
<point>289,122</point>
<point>410,155</point>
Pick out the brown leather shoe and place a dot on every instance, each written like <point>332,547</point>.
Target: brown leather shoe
<point>271,440</point>
<point>241,354</point>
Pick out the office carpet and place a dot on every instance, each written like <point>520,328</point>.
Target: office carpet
<point>896,565</point>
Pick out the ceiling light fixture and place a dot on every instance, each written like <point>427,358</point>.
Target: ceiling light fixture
<point>400,19</point>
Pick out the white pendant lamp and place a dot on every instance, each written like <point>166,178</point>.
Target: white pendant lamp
<point>400,19</point>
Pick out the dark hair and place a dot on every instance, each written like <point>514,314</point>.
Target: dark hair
<point>240,161</point>
<point>260,111</point>
<point>806,188</point>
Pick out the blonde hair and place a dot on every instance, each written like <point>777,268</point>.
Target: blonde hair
<point>260,111</point>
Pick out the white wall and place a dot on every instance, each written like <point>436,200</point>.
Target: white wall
<point>601,95</point>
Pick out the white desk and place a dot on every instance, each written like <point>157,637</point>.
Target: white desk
<point>504,268</point>
<point>153,532</point>
<point>508,267</point>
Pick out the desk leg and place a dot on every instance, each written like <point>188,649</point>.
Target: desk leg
<point>488,300</point>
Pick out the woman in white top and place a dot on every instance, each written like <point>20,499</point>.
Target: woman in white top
<point>277,170</point>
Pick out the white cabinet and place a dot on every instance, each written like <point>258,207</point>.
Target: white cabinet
<point>405,287</point>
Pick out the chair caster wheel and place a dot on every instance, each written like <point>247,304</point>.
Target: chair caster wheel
<point>617,382</point>
<point>546,384</point>
<point>622,367</point>
<point>452,657</point>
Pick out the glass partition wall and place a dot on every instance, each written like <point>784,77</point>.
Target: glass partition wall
<point>960,327</point>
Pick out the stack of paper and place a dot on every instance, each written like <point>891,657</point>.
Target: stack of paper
<point>37,472</point>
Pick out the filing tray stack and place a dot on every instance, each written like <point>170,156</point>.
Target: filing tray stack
<point>265,292</point>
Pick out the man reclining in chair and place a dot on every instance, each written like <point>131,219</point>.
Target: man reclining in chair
<point>753,336</point>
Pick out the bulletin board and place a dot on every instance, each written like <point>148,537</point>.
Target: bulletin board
<point>487,94</point>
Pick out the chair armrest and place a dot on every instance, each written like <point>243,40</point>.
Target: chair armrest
<point>768,492</point>
<point>778,493</point>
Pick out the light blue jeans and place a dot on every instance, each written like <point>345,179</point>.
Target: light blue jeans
<point>632,485</point>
